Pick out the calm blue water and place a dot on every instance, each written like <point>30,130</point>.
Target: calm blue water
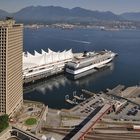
<point>125,69</point>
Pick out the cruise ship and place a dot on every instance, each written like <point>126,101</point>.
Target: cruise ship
<point>89,61</point>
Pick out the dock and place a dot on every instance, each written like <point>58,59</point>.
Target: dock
<point>88,92</point>
<point>81,97</point>
<point>117,89</point>
<point>70,101</point>
<point>73,102</point>
<point>45,64</point>
<point>43,75</point>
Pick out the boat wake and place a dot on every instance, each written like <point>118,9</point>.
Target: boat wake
<point>78,41</point>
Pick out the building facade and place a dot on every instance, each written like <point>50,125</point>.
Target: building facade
<point>11,83</point>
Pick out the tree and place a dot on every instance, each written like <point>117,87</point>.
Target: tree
<point>4,122</point>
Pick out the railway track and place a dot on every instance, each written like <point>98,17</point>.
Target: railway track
<point>103,136</point>
<point>113,137</point>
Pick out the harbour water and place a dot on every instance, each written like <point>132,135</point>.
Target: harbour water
<point>124,70</point>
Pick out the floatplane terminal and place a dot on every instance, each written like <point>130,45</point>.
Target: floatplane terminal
<point>75,99</point>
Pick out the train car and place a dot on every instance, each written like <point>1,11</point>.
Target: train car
<point>136,127</point>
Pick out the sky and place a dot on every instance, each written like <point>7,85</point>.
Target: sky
<point>116,6</point>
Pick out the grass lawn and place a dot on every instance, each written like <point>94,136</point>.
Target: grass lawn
<point>31,121</point>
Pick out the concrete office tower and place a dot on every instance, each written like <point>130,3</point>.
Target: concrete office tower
<point>11,47</point>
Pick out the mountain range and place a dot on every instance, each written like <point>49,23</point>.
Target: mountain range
<point>59,14</point>
<point>131,16</point>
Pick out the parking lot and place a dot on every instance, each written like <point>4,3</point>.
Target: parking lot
<point>128,112</point>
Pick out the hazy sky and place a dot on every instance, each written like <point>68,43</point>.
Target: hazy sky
<point>116,6</point>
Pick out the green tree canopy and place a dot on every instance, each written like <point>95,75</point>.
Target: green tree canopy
<point>4,122</point>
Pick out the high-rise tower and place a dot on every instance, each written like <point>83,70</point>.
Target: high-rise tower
<point>11,47</point>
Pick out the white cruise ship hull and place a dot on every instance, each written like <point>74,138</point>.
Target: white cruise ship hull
<point>81,70</point>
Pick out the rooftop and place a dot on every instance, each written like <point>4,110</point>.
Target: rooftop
<point>8,22</point>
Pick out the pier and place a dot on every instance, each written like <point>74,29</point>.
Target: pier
<point>41,65</point>
<point>45,74</point>
<point>117,89</point>
<point>88,92</point>
<point>73,102</point>
<point>81,97</point>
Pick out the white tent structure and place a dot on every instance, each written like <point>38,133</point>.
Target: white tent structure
<point>44,63</point>
<point>44,58</point>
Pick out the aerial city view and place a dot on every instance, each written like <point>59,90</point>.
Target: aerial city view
<point>69,70</point>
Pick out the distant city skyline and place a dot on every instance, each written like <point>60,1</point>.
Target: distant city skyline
<point>115,6</point>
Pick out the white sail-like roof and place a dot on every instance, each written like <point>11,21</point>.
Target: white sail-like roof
<point>36,53</point>
<point>23,54</point>
<point>50,51</point>
<point>29,54</point>
<point>42,51</point>
<point>45,58</point>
